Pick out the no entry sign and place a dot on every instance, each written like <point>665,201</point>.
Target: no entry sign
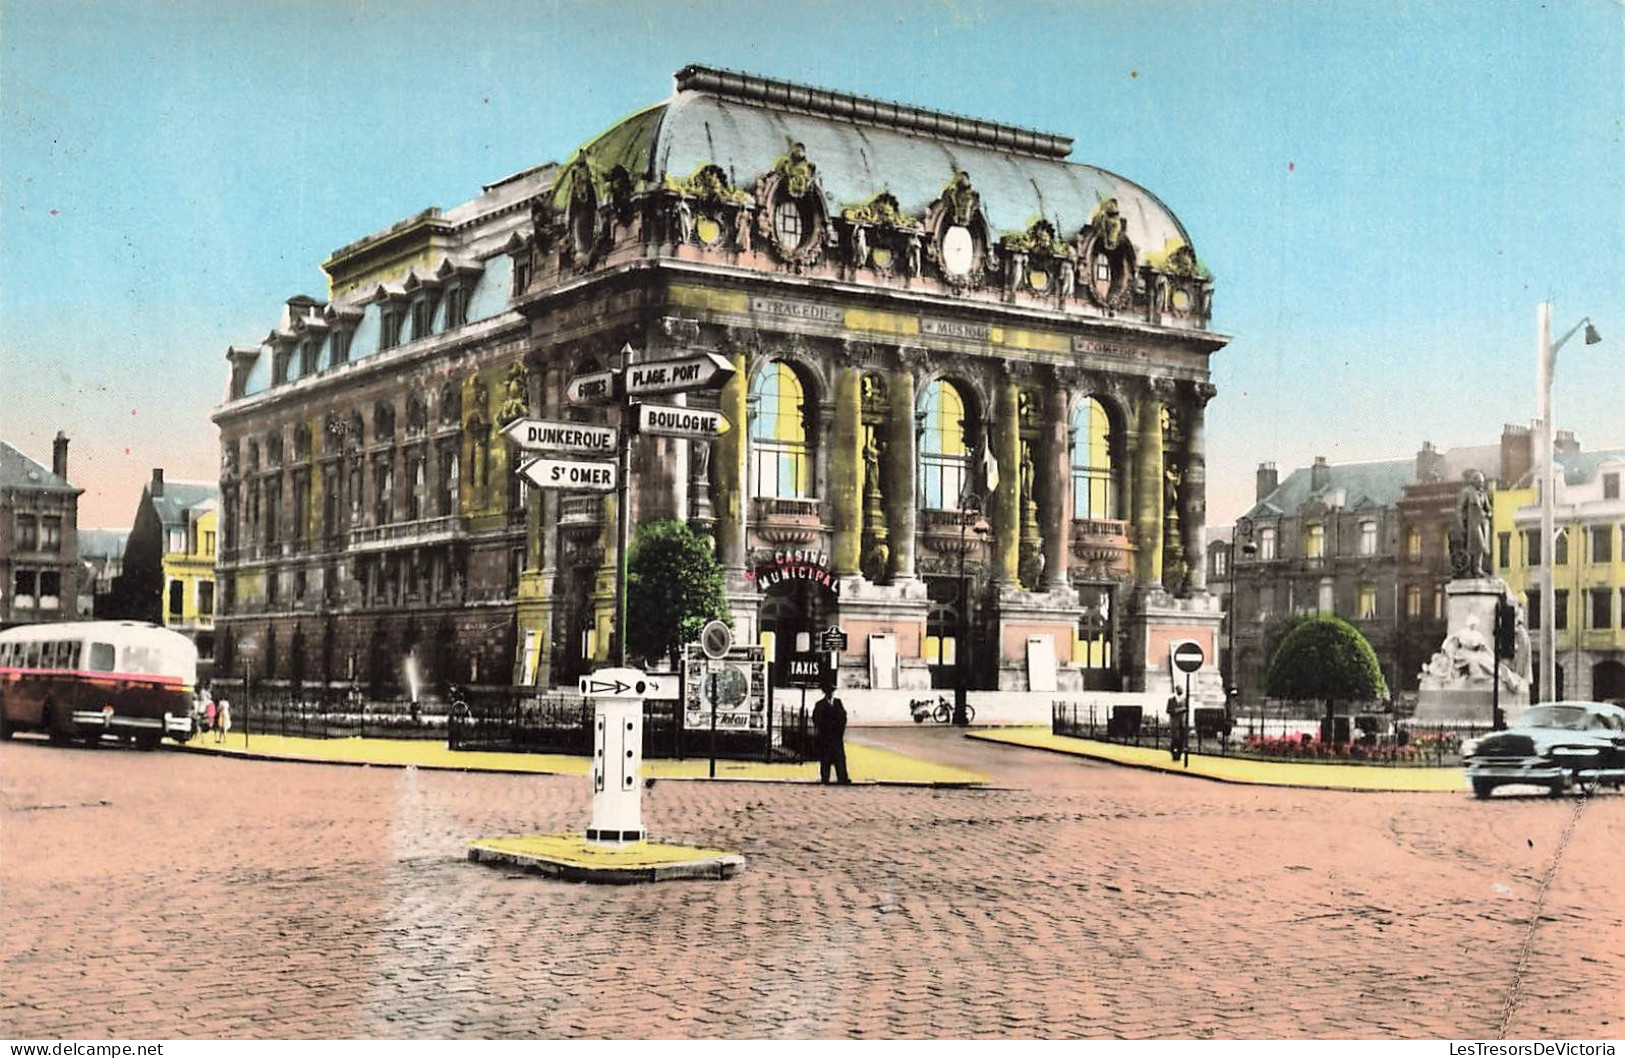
<point>1187,655</point>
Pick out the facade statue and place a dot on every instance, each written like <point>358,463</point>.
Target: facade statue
<point>742,229</point>
<point>860,247</point>
<point>797,171</point>
<point>685,222</point>
<point>914,255</point>
<point>962,199</point>
<point>1069,279</point>
<point>871,465</point>
<point>1473,522</point>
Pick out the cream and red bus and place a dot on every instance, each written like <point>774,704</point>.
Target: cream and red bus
<point>94,678</point>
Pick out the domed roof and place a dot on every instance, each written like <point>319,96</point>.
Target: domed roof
<point>864,146</point>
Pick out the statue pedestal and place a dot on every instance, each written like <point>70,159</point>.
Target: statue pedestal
<point>1457,684</point>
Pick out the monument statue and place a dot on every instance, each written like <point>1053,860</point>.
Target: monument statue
<point>1473,525</point>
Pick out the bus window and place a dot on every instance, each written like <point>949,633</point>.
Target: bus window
<point>70,654</point>
<point>32,657</point>
<point>101,657</point>
<point>143,660</point>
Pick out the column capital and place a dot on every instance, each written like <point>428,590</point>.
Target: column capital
<point>858,353</point>
<point>1019,370</point>
<point>1161,387</point>
<point>1202,392</point>
<point>914,358</point>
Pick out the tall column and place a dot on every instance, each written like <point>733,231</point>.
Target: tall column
<point>1007,497</point>
<point>845,470</point>
<point>901,503</point>
<point>1193,517</point>
<point>1056,514</point>
<point>729,455</point>
<point>1148,485</point>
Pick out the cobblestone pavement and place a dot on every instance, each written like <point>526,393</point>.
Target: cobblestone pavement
<point>168,895</point>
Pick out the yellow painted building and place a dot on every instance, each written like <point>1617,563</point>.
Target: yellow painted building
<point>1587,566</point>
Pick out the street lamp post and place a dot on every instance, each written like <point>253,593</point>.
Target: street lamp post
<point>1243,531</point>
<point>1545,365</point>
<point>968,513</point>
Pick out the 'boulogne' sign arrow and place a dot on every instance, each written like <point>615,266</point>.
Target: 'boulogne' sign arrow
<point>573,475</point>
<point>668,421</point>
<point>540,434</point>
<point>707,371</point>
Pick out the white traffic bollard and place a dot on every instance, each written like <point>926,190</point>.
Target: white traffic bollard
<point>617,799</point>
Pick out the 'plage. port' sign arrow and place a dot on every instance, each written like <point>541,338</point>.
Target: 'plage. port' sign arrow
<point>706,371</point>
<point>572,475</point>
<point>670,421</point>
<point>541,435</point>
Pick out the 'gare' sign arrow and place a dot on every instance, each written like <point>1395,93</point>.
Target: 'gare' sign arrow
<point>572,475</point>
<point>542,435</point>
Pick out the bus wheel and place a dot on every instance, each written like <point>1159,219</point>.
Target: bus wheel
<point>5,725</point>
<point>92,737</point>
<point>146,741</point>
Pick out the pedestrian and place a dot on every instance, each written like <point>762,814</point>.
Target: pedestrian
<point>1176,724</point>
<point>829,732</point>
<point>210,711</point>
<point>222,720</point>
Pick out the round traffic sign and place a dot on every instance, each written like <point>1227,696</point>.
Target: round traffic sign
<point>1188,656</point>
<point>716,638</point>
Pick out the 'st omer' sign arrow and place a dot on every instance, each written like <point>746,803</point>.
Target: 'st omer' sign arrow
<point>572,475</point>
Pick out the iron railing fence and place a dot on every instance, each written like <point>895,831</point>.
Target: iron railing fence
<point>1377,739</point>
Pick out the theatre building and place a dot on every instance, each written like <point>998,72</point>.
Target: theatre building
<point>966,372</point>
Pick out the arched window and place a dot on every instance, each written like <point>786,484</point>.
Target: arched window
<point>945,448</point>
<point>1094,485</point>
<point>779,434</point>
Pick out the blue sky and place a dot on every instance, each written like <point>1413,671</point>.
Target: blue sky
<point>1383,190</point>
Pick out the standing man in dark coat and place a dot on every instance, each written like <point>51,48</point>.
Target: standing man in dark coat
<point>829,732</point>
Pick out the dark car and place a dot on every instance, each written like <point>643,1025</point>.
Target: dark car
<point>1552,745</point>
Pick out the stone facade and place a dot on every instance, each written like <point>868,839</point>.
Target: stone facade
<point>901,334</point>
<point>40,575</point>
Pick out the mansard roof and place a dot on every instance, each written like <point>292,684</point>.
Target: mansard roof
<point>864,146</point>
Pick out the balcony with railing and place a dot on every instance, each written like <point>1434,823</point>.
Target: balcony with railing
<point>785,520</point>
<point>416,533</point>
<point>1101,546</point>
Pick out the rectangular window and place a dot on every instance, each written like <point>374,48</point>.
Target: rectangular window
<point>1531,605</point>
<point>1531,546</point>
<point>1602,543</point>
<point>1602,607</point>
<point>1560,548</point>
<point>27,532</point>
<point>1368,602</point>
<point>521,276</point>
<point>389,329</point>
<point>1266,545</point>
<point>101,657</point>
<point>1314,541</point>
<point>340,349</point>
<point>23,588</point>
<point>1413,601</point>
<point>51,534</point>
<point>208,544</point>
<point>307,357</point>
<point>456,307</point>
<point>1438,604</point>
<point>205,598</point>
<point>1610,486</point>
<point>422,317</point>
<point>50,590</point>
<point>177,599</point>
<point>279,367</point>
<point>1368,538</point>
<point>1219,568</point>
<point>1503,542</point>
<point>1413,543</point>
<point>1560,608</point>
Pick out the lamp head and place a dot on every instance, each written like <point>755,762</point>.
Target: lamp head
<point>1592,337</point>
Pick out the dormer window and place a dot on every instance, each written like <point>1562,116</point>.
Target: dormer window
<point>456,307</point>
<point>279,366</point>
<point>1314,541</point>
<point>1368,538</point>
<point>422,316</point>
<point>340,347</point>
<point>307,357</point>
<point>389,327</point>
<point>787,226</point>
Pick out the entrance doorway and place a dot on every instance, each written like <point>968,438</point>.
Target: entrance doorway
<point>792,609</point>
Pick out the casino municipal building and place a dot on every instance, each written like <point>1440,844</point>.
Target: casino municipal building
<point>965,367</point>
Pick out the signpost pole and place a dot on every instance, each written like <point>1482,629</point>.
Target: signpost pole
<point>713,682</point>
<point>1188,716</point>
<point>623,533</point>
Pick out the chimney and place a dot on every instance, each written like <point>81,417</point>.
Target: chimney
<point>59,456</point>
<point>1517,453</point>
<point>1269,479</point>
<point>1565,445</point>
<point>1320,475</point>
<point>1429,464</point>
<point>157,488</point>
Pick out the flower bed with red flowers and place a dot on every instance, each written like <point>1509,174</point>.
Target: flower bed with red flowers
<point>1308,748</point>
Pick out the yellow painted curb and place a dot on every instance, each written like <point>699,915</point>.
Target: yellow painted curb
<point>1346,777</point>
<point>571,857</point>
<point>867,764</point>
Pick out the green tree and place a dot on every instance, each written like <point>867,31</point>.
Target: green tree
<point>674,586</point>
<point>1325,659</point>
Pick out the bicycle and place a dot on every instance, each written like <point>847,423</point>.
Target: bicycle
<point>940,709</point>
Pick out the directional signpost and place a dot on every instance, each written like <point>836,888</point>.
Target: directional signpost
<point>617,799</point>
<point>598,388</point>
<point>1187,656</point>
